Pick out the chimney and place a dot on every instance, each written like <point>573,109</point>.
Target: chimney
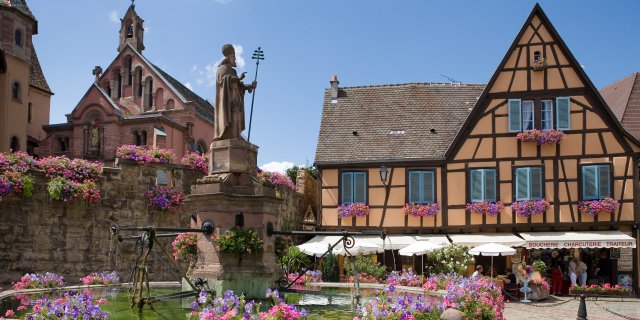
<point>334,89</point>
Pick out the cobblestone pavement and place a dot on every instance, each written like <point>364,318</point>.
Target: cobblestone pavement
<point>557,308</point>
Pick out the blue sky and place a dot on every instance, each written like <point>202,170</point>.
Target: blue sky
<point>306,42</point>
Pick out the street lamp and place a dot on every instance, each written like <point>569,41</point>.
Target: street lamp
<point>383,174</point>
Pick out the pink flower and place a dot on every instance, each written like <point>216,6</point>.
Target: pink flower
<point>10,313</point>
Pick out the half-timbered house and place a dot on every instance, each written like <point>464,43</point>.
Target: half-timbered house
<point>537,134</point>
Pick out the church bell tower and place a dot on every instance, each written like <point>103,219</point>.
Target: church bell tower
<point>131,30</point>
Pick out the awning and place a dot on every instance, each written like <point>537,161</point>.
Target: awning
<point>319,244</point>
<point>578,239</point>
<point>474,240</point>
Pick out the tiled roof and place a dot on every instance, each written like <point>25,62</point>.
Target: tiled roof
<point>203,107</point>
<point>36,76</point>
<point>623,97</point>
<point>20,5</point>
<point>393,122</point>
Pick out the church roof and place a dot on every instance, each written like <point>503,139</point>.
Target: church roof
<point>36,76</point>
<point>203,107</point>
<point>20,6</point>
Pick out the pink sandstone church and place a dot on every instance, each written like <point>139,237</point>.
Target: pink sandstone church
<point>132,102</point>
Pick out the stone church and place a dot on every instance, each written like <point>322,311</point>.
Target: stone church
<point>24,93</point>
<point>132,101</point>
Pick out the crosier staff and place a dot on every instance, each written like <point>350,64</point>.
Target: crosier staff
<point>257,55</point>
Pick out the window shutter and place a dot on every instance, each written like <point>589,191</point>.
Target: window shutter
<point>476,185</point>
<point>563,113</point>
<point>515,116</point>
<point>604,186</point>
<point>360,187</point>
<point>414,186</point>
<point>589,186</point>
<point>428,194</point>
<point>347,187</point>
<point>535,180</point>
<point>490,185</point>
<point>522,185</point>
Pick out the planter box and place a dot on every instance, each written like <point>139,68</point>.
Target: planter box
<point>538,293</point>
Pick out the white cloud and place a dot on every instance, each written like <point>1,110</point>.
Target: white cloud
<point>114,17</point>
<point>207,76</point>
<point>277,166</point>
<point>188,85</point>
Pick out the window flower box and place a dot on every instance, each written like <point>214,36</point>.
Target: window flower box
<point>527,208</point>
<point>541,136</point>
<point>539,65</point>
<point>485,208</point>
<point>595,207</point>
<point>353,210</point>
<point>421,210</point>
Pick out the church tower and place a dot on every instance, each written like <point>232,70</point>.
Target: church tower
<point>131,30</point>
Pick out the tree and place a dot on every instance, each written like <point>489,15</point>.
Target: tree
<point>330,270</point>
<point>292,172</point>
<point>453,258</point>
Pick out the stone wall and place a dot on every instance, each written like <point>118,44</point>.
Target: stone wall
<point>73,240</point>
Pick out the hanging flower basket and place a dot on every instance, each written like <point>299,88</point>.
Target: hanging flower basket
<point>353,210</point>
<point>485,208</point>
<point>421,210</point>
<point>196,162</point>
<point>540,64</point>
<point>165,198</point>
<point>529,208</point>
<point>541,136</point>
<point>595,207</point>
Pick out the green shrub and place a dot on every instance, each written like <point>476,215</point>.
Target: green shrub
<point>453,258</point>
<point>330,268</point>
<point>294,260</point>
<point>365,264</point>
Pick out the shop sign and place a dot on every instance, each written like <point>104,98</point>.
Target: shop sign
<point>625,262</point>
<point>580,244</point>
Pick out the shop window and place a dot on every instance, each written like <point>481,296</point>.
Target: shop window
<point>483,185</point>
<point>353,187</point>
<point>421,186</point>
<point>528,184</point>
<point>596,182</point>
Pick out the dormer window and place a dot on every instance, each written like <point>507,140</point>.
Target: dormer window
<point>18,38</point>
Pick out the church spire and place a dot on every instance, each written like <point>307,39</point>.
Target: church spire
<point>131,30</point>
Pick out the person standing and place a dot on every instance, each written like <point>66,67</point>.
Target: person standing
<point>582,272</point>
<point>573,270</point>
<point>556,279</point>
<point>603,271</point>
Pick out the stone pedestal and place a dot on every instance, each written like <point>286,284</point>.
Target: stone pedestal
<point>233,156</point>
<point>254,273</point>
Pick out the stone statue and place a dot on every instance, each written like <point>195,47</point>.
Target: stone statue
<point>229,97</point>
<point>95,135</point>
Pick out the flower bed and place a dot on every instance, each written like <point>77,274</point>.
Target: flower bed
<point>595,207</point>
<point>441,281</point>
<point>239,242</point>
<point>165,198</point>
<point>605,289</point>
<point>364,278</point>
<point>529,208</point>
<point>476,298</point>
<point>71,306</point>
<point>14,174</point>
<point>195,161</point>
<point>485,208</point>
<point>230,306</point>
<point>389,304</point>
<point>308,277</point>
<point>277,179</point>
<point>145,155</point>
<point>106,278</point>
<point>404,278</point>
<point>38,280</point>
<point>421,210</point>
<point>71,179</point>
<point>541,136</point>
<point>353,210</point>
<point>185,246</point>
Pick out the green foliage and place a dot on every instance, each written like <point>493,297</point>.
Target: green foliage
<point>539,266</point>
<point>294,260</point>
<point>240,242</point>
<point>453,258</point>
<point>330,268</point>
<point>292,172</point>
<point>27,186</point>
<point>365,264</point>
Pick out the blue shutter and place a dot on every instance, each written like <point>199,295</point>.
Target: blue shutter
<point>589,185</point>
<point>490,185</point>
<point>414,186</point>
<point>347,187</point>
<point>604,186</point>
<point>535,181</point>
<point>477,185</point>
<point>563,113</point>
<point>515,115</point>
<point>428,194</point>
<point>359,187</point>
